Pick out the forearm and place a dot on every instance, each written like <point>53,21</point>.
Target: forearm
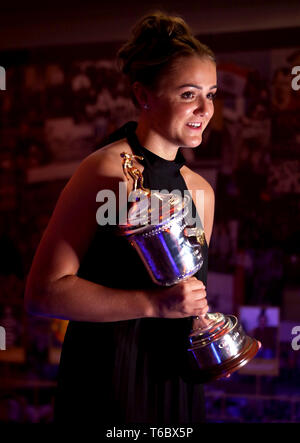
<point>73,298</point>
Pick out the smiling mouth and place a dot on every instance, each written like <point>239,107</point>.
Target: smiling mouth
<point>194,125</point>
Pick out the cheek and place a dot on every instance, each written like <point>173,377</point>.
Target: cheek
<point>211,112</point>
<point>181,112</point>
<point>161,109</point>
<point>168,112</point>
<point>173,115</point>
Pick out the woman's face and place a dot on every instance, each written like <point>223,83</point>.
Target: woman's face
<point>182,104</point>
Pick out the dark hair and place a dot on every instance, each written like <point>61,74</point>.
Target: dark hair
<point>156,41</point>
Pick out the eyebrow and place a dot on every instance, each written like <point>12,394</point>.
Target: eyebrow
<point>191,85</point>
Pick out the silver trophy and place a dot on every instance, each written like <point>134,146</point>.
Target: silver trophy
<point>157,227</point>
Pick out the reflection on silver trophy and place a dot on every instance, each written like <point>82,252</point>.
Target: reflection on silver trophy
<point>172,252</point>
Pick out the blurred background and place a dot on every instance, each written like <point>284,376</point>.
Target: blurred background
<point>61,94</point>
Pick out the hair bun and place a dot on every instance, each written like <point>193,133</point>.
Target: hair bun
<point>156,39</point>
<point>160,25</point>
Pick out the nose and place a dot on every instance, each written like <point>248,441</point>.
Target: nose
<point>202,108</point>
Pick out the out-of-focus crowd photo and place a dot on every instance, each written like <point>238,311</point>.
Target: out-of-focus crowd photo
<point>55,113</point>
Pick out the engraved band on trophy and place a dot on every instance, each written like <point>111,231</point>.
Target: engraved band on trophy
<point>171,250</point>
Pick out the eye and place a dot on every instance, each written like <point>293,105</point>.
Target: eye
<point>188,95</point>
<point>211,96</point>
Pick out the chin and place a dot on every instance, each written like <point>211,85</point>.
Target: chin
<point>192,143</point>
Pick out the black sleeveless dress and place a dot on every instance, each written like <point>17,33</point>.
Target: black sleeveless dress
<point>132,371</point>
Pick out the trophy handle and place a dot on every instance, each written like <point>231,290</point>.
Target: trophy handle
<point>195,236</point>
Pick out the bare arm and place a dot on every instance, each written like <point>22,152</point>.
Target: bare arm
<point>53,288</point>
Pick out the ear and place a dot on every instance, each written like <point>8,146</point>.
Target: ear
<point>141,94</point>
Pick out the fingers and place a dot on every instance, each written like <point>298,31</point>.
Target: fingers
<point>188,298</point>
<point>200,312</point>
<point>198,294</point>
<point>202,308</point>
<point>195,290</point>
<point>194,283</point>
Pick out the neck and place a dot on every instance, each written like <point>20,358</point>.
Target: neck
<point>154,141</point>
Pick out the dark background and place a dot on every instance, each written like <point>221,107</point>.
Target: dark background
<point>63,96</point>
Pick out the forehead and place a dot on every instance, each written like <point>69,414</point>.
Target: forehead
<point>189,70</point>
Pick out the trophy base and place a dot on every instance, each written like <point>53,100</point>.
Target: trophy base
<point>221,349</point>
<point>226,368</point>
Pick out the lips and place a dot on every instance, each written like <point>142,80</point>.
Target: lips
<point>194,125</point>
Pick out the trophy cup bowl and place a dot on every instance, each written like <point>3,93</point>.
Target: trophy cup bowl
<point>171,251</point>
<point>169,247</point>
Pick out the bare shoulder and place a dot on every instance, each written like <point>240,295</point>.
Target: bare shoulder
<point>107,161</point>
<point>100,170</point>
<point>195,181</point>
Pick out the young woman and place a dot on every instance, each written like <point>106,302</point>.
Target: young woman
<point>124,357</point>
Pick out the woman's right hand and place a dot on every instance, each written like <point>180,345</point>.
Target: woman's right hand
<point>185,299</point>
